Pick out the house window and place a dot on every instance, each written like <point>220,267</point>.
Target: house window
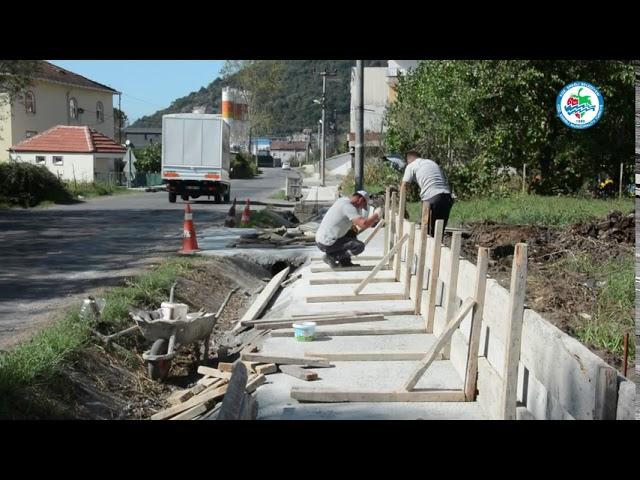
<point>99,112</point>
<point>40,159</point>
<point>73,108</point>
<point>30,133</point>
<point>30,102</point>
<point>57,161</point>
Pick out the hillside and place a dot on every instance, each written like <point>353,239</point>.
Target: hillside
<point>294,109</point>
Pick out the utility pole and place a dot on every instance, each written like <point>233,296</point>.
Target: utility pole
<point>323,145</point>
<point>359,150</point>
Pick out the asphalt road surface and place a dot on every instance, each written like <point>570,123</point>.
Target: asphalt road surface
<point>52,256</point>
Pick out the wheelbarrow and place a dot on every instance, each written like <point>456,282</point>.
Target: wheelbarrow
<point>170,327</point>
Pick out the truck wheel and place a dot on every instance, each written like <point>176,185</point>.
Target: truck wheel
<point>185,197</point>
<point>227,196</point>
<point>172,197</point>
<point>217,198</point>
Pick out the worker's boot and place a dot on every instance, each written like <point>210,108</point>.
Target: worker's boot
<point>346,262</point>
<point>332,262</point>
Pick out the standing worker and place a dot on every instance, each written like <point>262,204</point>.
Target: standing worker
<point>337,235</point>
<point>434,187</point>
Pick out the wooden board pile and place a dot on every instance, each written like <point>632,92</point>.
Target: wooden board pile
<point>276,238</point>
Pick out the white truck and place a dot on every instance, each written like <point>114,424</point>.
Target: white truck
<point>196,156</point>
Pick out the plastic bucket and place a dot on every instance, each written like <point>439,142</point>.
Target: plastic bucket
<point>305,331</point>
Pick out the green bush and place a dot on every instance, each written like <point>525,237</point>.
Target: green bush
<point>27,185</point>
<point>243,165</point>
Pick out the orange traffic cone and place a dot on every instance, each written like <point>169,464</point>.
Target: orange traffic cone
<point>189,241</point>
<point>246,215</point>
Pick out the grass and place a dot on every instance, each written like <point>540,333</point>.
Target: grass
<point>530,210</point>
<point>613,312</point>
<point>37,362</point>
<point>95,189</point>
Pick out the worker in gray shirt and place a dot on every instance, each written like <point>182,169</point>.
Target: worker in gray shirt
<point>337,235</point>
<point>434,187</point>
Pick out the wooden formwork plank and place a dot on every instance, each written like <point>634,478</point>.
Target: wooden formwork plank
<point>304,394</point>
<point>514,331</point>
<point>360,268</point>
<point>348,280</point>
<point>298,372</point>
<point>408,264</point>
<point>263,298</point>
<point>436,348</point>
<point>433,275</point>
<point>381,264</point>
<point>471,372</point>
<point>400,226</point>
<point>361,297</point>
<point>354,332</point>
<point>346,316</point>
<point>389,356</point>
<point>277,359</point>
<point>321,321</point>
<point>422,256</point>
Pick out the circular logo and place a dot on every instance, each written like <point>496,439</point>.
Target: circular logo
<point>580,105</point>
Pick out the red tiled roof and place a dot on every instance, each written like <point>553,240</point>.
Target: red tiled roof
<point>49,71</point>
<point>68,139</point>
<point>279,145</point>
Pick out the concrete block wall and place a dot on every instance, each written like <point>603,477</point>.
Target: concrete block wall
<point>558,378</point>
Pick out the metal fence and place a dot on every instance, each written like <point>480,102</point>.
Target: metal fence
<point>120,178</point>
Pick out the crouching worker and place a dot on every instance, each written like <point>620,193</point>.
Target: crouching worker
<point>337,234</point>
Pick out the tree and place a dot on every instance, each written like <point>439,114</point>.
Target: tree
<point>478,118</point>
<point>15,77</point>
<point>148,159</point>
<point>259,82</point>
<point>120,122</point>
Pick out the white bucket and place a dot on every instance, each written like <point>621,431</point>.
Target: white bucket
<point>305,331</point>
<point>179,311</point>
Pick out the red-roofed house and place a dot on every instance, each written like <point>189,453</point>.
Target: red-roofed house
<point>56,97</point>
<point>79,153</point>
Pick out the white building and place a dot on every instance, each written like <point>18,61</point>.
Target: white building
<point>380,85</point>
<point>56,97</point>
<point>73,153</point>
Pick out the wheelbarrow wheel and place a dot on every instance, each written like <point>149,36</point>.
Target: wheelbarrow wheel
<point>159,369</point>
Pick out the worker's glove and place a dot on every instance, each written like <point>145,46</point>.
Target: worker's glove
<point>378,211</point>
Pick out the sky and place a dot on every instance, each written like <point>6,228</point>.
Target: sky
<point>146,85</point>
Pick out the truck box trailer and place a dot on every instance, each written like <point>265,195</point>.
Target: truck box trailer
<point>196,156</point>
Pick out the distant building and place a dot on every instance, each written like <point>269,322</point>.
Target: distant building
<point>57,97</point>
<point>288,151</point>
<point>380,84</point>
<point>143,136</point>
<point>73,153</point>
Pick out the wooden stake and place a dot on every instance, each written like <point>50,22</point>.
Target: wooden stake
<point>471,372</point>
<point>422,256</point>
<point>514,331</point>
<point>408,264</point>
<point>433,275</point>
<point>380,264</point>
<point>400,226</point>
<point>392,224</point>
<point>375,231</point>
<point>440,343</point>
<point>452,283</point>
<point>387,215</point>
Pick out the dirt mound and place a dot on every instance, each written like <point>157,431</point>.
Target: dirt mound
<point>616,227</point>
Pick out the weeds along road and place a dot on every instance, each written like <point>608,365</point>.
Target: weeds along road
<point>51,256</point>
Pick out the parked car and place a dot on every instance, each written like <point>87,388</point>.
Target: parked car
<point>286,165</point>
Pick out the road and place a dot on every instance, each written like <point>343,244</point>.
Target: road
<point>53,256</point>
